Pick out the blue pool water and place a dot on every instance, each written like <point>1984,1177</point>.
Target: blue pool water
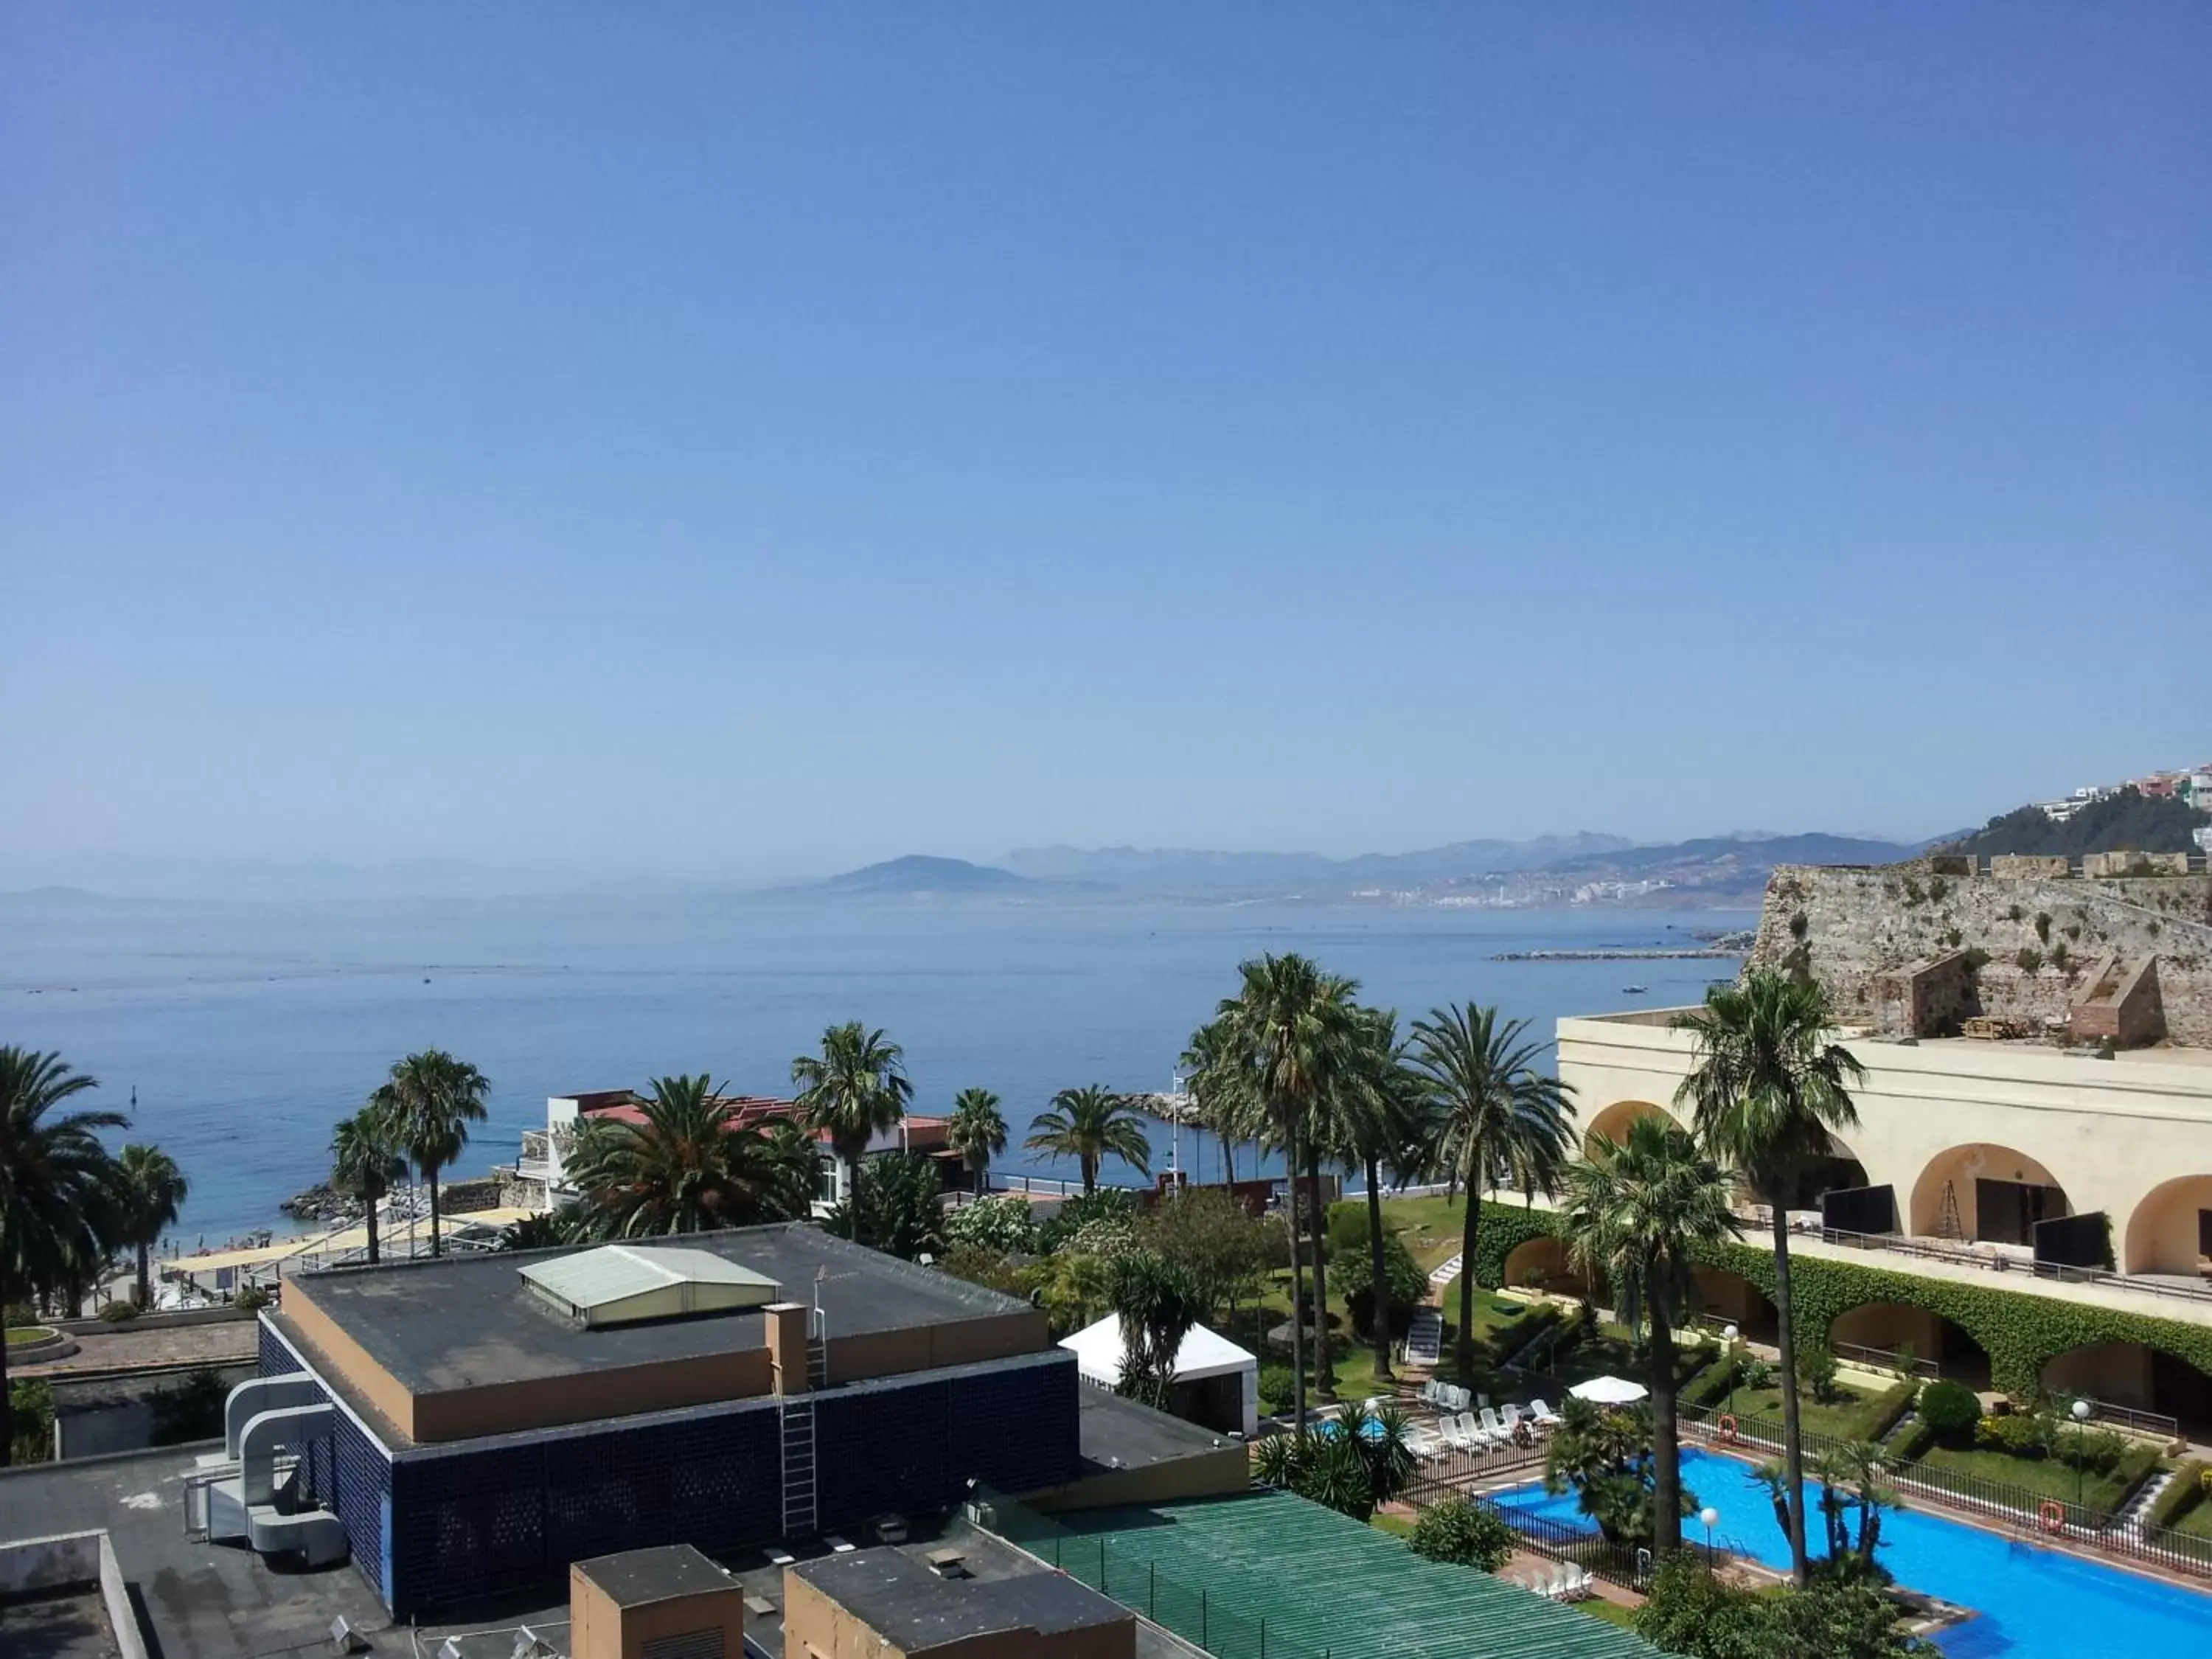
<point>2034,1603</point>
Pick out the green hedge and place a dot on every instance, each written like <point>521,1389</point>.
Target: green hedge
<point>2020,1331</point>
<point>1889,1405</point>
<point>2184,1494</point>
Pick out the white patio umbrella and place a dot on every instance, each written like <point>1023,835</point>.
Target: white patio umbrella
<point>1609,1391</point>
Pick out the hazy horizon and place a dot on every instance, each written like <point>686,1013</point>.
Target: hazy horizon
<point>738,445</point>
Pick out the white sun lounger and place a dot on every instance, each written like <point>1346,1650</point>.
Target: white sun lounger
<point>1545,1416</point>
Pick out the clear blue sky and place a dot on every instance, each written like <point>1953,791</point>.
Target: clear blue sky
<point>719,439</point>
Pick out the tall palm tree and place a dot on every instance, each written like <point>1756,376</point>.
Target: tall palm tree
<point>977,1132</point>
<point>1089,1125</point>
<point>1382,1115</point>
<point>1767,1089</point>
<point>150,1191</point>
<point>56,1179</point>
<point>687,1168</point>
<point>366,1161</point>
<point>1641,1212</point>
<point>852,1090</point>
<point>1483,1081</point>
<point>1218,1090</point>
<point>433,1097</point>
<point>1290,1027</point>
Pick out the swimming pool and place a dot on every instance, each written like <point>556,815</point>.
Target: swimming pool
<point>2034,1603</point>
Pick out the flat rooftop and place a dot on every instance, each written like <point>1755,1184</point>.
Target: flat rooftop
<point>466,1322</point>
<point>903,1601</point>
<point>67,1623</point>
<point>1120,1434</point>
<point>634,1579</point>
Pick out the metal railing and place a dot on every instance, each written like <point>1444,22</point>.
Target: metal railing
<point>1132,1576</point>
<point>1987,1261</point>
<point>2106,1413</point>
<point>1885,1359</point>
<point>1449,1473</point>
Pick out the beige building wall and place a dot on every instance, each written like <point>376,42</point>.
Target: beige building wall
<point>601,1628</point>
<point>2131,1136</point>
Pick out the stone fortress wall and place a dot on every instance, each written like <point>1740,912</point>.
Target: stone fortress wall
<point>1922,945</point>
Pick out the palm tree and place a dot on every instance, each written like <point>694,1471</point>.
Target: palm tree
<point>1382,1114</point>
<point>1641,1212</point>
<point>150,1190</point>
<point>366,1161</point>
<point>56,1180</point>
<point>1224,1103</point>
<point>1089,1125</point>
<point>433,1097</point>
<point>977,1132</point>
<point>687,1168</point>
<point>1290,1027</point>
<point>1496,1108</point>
<point>852,1090</point>
<point>1768,1088</point>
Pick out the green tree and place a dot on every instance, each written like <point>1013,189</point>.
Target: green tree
<point>1001,1225</point>
<point>1207,1234</point>
<point>1641,1212</point>
<point>852,1091</point>
<point>686,1167</point>
<point>977,1132</point>
<point>150,1190</point>
<point>56,1186</point>
<point>1156,1303</point>
<point>1461,1530</point>
<point>898,1208</point>
<point>366,1161</point>
<point>547,1231</point>
<point>1691,1612</point>
<point>1288,1029</point>
<point>1384,1120</point>
<point>1495,1110</point>
<point>1219,1091</point>
<point>1604,1456</point>
<point>1089,1125</point>
<point>433,1097</point>
<point>1768,1089</point>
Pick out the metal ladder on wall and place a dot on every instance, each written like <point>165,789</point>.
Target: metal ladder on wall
<point>799,1512</point>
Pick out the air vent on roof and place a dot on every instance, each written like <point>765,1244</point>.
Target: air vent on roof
<point>623,1284</point>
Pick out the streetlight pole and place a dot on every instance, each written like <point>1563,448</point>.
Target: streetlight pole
<point>2080,1414</point>
<point>1730,1334</point>
<point>1711,1517</point>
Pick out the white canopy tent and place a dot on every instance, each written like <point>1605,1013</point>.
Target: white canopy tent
<point>1609,1391</point>
<point>1098,1354</point>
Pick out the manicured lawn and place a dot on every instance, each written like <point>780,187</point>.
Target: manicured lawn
<point>1846,1418</point>
<point>1352,1357</point>
<point>2046,1476</point>
<point>1431,1227</point>
<point>1612,1612</point>
<point>19,1334</point>
<point>1398,1526</point>
<point>2197,1523</point>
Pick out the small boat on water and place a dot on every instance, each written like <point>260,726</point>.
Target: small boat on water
<point>1634,990</point>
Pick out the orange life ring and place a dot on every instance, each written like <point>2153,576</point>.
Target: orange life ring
<point>1728,1430</point>
<point>2052,1514</point>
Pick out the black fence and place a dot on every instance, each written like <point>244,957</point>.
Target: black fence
<point>2022,1509</point>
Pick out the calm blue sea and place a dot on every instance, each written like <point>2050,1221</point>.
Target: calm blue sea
<point>247,1030</point>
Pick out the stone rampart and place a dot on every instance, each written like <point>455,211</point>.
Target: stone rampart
<point>1863,931</point>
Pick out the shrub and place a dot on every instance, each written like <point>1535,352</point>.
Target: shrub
<point>252,1298</point>
<point>2022,1434</point>
<point>1466,1533</point>
<point>2192,1485</point>
<point>2043,925</point>
<point>31,1401</point>
<point>1003,1225</point>
<point>2029,958</point>
<point>1407,1284</point>
<point>1107,1205</point>
<point>2096,1451</point>
<point>1278,1387</point>
<point>117,1312</point>
<point>1889,1405</point>
<point>1816,1369</point>
<point>1951,1411</point>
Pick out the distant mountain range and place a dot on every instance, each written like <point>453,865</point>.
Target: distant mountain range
<point>1584,868</point>
<point>1184,871</point>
